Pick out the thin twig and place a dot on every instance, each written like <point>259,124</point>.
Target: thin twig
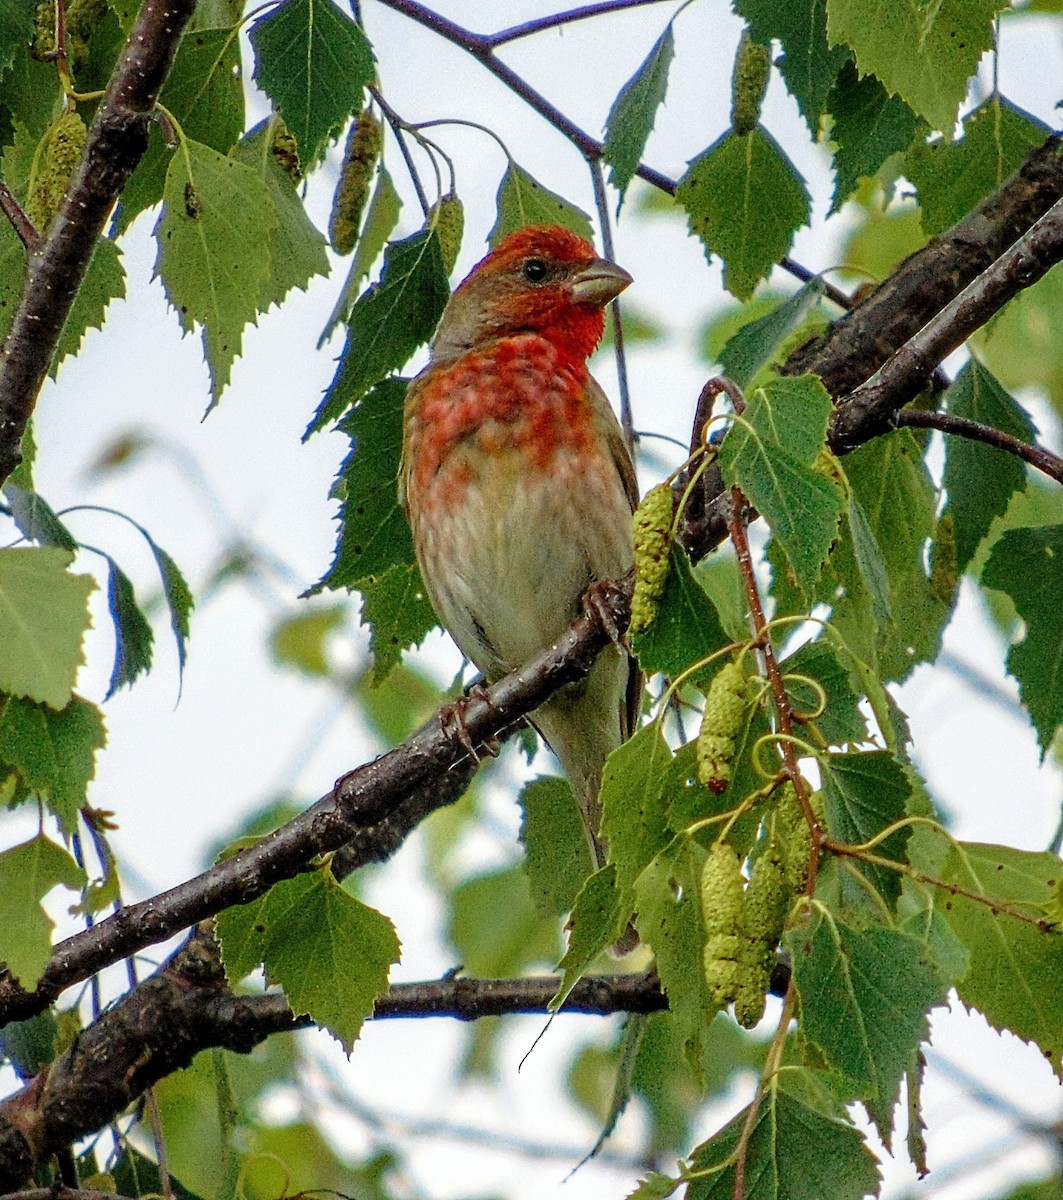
<point>736,526</point>
<point>16,214</point>
<point>554,20</point>
<point>1044,460</point>
<point>482,46</point>
<point>627,421</point>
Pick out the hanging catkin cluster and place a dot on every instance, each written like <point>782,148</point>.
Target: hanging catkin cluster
<point>745,919</point>
<point>364,144</point>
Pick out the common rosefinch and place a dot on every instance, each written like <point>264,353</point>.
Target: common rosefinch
<point>518,484</point>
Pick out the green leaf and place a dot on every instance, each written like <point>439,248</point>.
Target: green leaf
<point>177,595</point>
<point>745,200</point>
<point>132,633</point>
<point>864,793</point>
<point>300,640</point>
<point>890,482</point>
<point>522,201</point>
<point>687,626</point>
<point>631,118</point>
<point>494,926</point>
<point>213,235</point>
<point>799,1154</point>
<point>104,281</point>
<point>655,1187</point>
<point>557,856</point>
<point>381,217</point>
<point>36,519</point>
<point>869,126</point>
<point>864,997</point>
<point>205,93</point>
<point>1015,960</point>
<point>769,455</point>
<point>808,64</point>
<point>53,752</point>
<point>28,872</point>
<point>669,921</point>
<point>43,617</point>
<point>313,62</point>
<point>867,554</point>
<point>597,920</point>
<point>297,248</point>
<point>633,812</point>
<point>981,480</point>
<point>1027,565</point>
<point>923,53</point>
<point>329,952</point>
<point>374,535</point>
<point>16,29</point>
<point>29,1045</point>
<point>399,614</point>
<point>760,341</point>
<point>953,177</point>
<point>842,721</point>
<point>389,321</point>
<point>137,1175</point>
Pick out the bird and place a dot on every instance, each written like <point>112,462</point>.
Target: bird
<point>519,487</point>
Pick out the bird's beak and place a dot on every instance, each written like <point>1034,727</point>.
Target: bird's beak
<point>598,283</point>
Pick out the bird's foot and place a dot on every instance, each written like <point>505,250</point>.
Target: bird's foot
<point>599,602</point>
<point>452,721</point>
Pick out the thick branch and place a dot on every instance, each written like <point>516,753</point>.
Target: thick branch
<point>857,344</point>
<point>187,1007</point>
<point>56,266</point>
<point>1044,460</point>
<point>373,807</point>
<point>868,411</point>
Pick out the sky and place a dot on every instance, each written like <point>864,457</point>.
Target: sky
<point>185,765</point>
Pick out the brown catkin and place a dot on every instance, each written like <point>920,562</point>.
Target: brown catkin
<point>285,150</point>
<point>364,143</point>
<point>726,703</point>
<point>59,154</point>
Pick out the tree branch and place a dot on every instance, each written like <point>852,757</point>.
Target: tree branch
<point>16,214</point>
<point>372,807</point>
<point>1044,460</point>
<point>187,1007</point>
<point>869,410</point>
<point>857,344</point>
<point>57,264</point>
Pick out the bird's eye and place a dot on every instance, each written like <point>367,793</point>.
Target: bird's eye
<point>535,270</point>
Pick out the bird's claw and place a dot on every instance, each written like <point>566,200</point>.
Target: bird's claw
<point>598,601</point>
<point>453,724</point>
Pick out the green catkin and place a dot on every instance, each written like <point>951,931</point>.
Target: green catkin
<point>364,144</point>
<point>725,707</point>
<point>651,529</point>
<point>447,217</point>
<point>793,834</point>
<point>721,909</point>
<point>59,154</point>
<point>749,83</point>
<point>81,18</point>
<point>767,903</point>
